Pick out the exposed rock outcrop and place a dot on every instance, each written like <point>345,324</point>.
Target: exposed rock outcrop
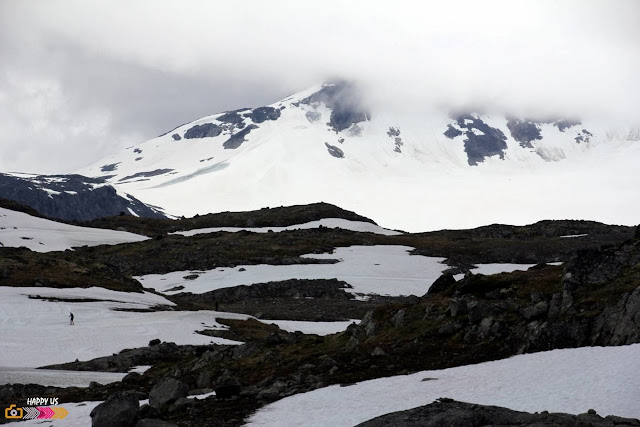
<point>119,410</point>
<point>345,102</point>
<point>205,130</point>
<point>334,151</point>
<point>481,140</point>
<point>167,391</point>
<point>261,114</point>
<point>448,412</point>
<point>524,131</point>
<point>71,197</point>
<point>237,139</point>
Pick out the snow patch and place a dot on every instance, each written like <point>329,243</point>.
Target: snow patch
<point>42,235</point>
<point>36,333</point>
<point>361,226</point>
<point>606,379</point>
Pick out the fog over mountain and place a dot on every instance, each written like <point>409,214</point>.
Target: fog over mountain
<point>83,79</point>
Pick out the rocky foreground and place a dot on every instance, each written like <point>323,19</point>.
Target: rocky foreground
<point>448,412</point>
<point>593,299</point>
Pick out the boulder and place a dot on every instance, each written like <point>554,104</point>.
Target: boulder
<point>228,391</point>
<point>131,377</point>
<point>147,411</point>
<point>180,404</point>
<point>203,380</point>
<point>398,318</point>
<point>447,412</point>
<point>327,363</point>
<point>535,311</point>
<point>378,352</point>
<point>442,283</point>
<point>273,392</point>
<point>119,410</point>
<point>167,390</point>
<point>227,386</point>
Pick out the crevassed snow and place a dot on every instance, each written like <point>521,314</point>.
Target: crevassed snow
<point>36,333</point>
<point>382,270</point>
<point>42,235</point>
<point>606,379</point>
<point>345,224</point>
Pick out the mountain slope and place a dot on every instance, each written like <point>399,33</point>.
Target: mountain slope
<point>72,197</point>
<point>18,229</point>
<point>396,166</point>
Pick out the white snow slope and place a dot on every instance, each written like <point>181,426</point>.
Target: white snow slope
<point>361,226</point>
<point>382,270</point>
<point>426,184</point>
<point>56,378</point>
<point>606,379</point>
<point>35,333</point>
<point>42,235</point>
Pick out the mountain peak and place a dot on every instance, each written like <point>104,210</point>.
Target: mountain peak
<point>327,143</point>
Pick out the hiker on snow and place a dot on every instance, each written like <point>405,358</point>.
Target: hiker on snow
<point>71,319</point>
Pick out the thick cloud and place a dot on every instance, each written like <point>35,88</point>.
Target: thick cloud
<point>81,79</point>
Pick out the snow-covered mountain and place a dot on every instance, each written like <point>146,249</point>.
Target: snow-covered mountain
<point>411,170</point>
<point>72,197</point>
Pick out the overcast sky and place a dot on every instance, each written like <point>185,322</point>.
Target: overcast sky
<point>82,79</point>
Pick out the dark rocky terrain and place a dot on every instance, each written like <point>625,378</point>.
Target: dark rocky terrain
<point>482,141</point>
<point>344,100</point>
<point>294,299</point>
<point>540,242</point>
<point>487,142</point>
<point>592,299</point>
<point>71,197</point>
<point>447,412</point>
<point>266,217</point>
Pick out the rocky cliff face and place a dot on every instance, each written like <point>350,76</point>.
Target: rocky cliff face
<point>72,197</point>
<point>593,300</point>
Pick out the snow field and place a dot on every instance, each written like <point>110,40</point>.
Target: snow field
<point>382,270</point>
<point>317,328</point>
<point>606,379</point>
<point>345,224</point>
<point>36,333</point>
<point>42,235</point>
<point>56,378</point>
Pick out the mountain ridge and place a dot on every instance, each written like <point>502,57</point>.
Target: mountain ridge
<point>72,197</point>
<point>325,144</point>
